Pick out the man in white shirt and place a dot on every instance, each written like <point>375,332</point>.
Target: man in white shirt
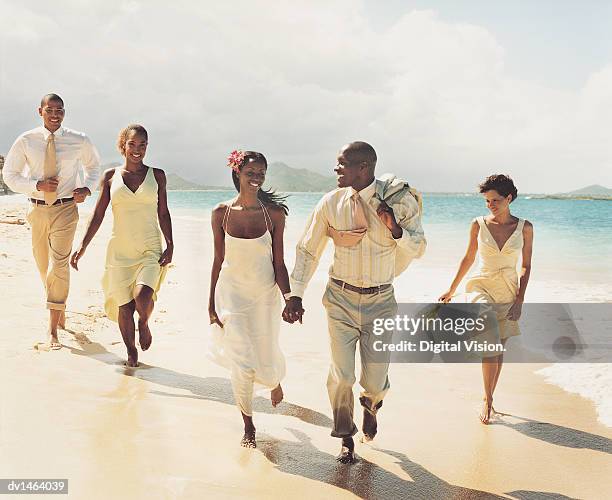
<point>45,165</point>
<point>367,235</point>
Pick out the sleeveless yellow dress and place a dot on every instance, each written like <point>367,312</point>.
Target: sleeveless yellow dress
<point>135,246</point>
<point>496,282</point>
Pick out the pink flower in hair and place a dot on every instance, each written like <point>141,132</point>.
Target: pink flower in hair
<point>235,159</point>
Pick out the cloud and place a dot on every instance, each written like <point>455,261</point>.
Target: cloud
<point>297,80</point>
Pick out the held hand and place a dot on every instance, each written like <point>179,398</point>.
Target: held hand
<point>293,310</point>
<point>287,315</point>
<point>79,194</point>
<point>214,319</point>
<point>515,311</point>
<point>48,185</point>
<point>446,296</point>
<point>166,257</point>
<point>74,260</point>
<point>387,217</point>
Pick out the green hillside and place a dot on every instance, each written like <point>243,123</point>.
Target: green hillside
<point>594,190</point>
<point>281,177</point>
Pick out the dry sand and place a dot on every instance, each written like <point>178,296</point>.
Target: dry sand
<point>170,430</point>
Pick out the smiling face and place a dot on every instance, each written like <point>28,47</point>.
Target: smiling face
<point>496,203</point>
<point>52,112</point>
<point>252,176</point>
<point>348,171</point>
<point>135,147</point>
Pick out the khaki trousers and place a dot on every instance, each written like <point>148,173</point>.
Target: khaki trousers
<point>53,229</point>
<point>350,318</point>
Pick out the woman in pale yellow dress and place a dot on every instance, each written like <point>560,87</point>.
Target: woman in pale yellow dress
<point>135,262</point>
<point>499,239</point>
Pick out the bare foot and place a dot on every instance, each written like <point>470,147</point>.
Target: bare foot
<point>347,452</point>
<point>276,395</point>
<point>144,335</point>
<point>485,414</point>
<point>370,426</point>
<point>54,343</point>
<point>248,440</point>
<point>132,361</point>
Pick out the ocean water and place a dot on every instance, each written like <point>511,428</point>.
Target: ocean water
<point>572,238</point>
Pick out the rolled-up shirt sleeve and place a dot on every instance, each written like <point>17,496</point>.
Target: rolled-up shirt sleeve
<point>90,159</point>
<point>413,239</point>
<point>14,168</point>
<point>309,250</point>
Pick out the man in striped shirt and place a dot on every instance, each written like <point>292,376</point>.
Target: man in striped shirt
<point>367,234</point>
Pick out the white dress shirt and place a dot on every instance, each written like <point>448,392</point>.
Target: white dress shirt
<point>372,261</point>
<point>25,162</point>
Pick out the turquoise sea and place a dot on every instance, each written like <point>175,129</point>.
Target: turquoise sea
<point>572,237</point>
<point>572,242</point>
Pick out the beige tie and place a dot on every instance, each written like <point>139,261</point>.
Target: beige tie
<point>50,169</point>
<point>359,217</point>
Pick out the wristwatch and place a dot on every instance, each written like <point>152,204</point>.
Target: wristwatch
<point>287,295</point>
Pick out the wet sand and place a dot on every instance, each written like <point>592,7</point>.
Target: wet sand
<point>170,429</point>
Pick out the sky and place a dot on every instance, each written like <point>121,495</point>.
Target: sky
<point>447,92</point>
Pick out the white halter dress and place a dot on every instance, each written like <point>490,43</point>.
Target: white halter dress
<point>248,303</point>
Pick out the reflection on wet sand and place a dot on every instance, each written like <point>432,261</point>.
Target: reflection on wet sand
<point>216,389</point>
<point>116,423</point>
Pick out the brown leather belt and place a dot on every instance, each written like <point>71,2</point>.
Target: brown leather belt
<point>59,201</point>
<point>364,291</point>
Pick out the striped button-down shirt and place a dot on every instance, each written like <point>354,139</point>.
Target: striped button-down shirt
<point>25,162</point>
<point>372,261</point>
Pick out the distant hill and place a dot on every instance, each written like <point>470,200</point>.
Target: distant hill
<point>3,187</point>
<point>280,177</point>
<point>594,190</point>
<point>284,178</point>
<point>177,183</point>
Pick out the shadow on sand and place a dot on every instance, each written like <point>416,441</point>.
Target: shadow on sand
<point>216,389</point>
<point>556,434</point>
<point>538,495</point>
<point>364,479</point>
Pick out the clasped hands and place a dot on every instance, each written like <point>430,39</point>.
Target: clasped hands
<point>293,310</point>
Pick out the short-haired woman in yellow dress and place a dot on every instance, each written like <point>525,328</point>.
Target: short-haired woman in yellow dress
<point>499,239</point>
<point>135,262</point>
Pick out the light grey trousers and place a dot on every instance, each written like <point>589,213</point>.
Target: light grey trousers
<point>350,318</point>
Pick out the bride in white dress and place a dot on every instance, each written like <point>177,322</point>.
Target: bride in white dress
<point>247,278</point>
